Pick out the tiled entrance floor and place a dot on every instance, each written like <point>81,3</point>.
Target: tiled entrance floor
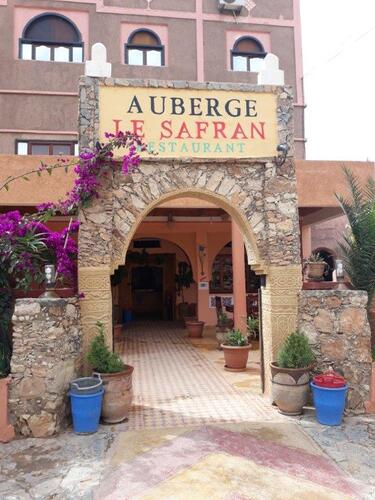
<point>175,384</point>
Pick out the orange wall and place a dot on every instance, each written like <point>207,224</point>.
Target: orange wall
<point>318,181</point>
<point>185,235</point>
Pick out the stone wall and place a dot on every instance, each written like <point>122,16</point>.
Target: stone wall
<point>46,357</point>
<point>336,324</point>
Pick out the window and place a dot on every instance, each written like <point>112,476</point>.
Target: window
<point>245,49</point>
<point>144,48</point>
<point>51,37</point>
<point>54,148</point>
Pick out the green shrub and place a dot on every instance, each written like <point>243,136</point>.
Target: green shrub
<point>235,338</point>
<point>252,325</point>
<point>295,352</point>
<point>100,357</point>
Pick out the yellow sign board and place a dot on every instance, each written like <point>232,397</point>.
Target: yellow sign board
<point>193,123</point>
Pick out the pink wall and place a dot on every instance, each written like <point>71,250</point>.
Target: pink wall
<point>187,235</point>
<point>22,15</point>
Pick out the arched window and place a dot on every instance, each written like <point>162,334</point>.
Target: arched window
<point>245,49</point>
<point>144,48</point>
<point>51,37</point>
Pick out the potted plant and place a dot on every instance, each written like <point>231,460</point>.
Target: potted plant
<point>236,351</point>
<point>252,327</point>
<point>183,280</point>
<point>224,324</point>
<point>116,377</point>
<point>315,267</point>
<point>291,374</point>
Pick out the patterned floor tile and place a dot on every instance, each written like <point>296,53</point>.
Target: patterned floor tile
<point>176,385</point>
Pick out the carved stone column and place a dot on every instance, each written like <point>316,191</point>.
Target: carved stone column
<point>279,311</point>
<point>95,284</point>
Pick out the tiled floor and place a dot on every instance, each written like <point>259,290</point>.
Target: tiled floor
<point>178,384</point>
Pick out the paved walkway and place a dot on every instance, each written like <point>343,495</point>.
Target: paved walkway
<point>196,432</point>
<point>177,384</point>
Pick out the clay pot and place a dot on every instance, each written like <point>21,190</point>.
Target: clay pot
<point>236,357</point>
<point>189,318</point>
<point>6,429</point>
<point>195,328</point>
<point>315,270</point>
<point>290,388</point>
<point>117,332</point>
<point>118,395</point>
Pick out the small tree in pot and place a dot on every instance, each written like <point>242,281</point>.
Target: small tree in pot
<point>116,376</point>
<point>183,279</point>
<point>236,351</point>
<point>290,374</point>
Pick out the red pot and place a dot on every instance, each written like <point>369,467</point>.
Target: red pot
<point>236,357</point>
<point>195,328</point>
<point>6,429</point>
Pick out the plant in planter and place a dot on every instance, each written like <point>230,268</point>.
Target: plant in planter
<point>291,374</point>
<point>252,327</point>
<point>224,324</point>
<point>236,351</point>
<point>116,376</point>
<point>315,267</point>
<point>183,280</point>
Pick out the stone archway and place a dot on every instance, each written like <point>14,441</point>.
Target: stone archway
<point>261,201</point>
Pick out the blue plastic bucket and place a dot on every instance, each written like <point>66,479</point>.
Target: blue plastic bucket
<point>329,403</point>
<point>86,409</point>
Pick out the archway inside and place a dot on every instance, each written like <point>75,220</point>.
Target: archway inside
<point>203,238</point>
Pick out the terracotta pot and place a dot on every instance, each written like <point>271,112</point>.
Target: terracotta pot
<point>236,357</point>
<point>315,270</point>
<point>117,332</point>
<point>290,388</point>
<point>195,328</point>
<point>6,429</point>
<point>118,395</point>
<point>189,318</point>
<point>370,405</point>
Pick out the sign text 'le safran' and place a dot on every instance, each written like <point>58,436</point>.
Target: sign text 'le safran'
<point>193,123</point>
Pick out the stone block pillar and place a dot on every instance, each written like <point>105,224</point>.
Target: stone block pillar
<point>239,279</point>
<point>279,311</point>
<point>46,358</point>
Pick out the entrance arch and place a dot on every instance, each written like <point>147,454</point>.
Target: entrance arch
<point>260,200</point>
<point>121,247</point>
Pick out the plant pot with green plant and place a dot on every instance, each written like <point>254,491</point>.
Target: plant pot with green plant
<point>183,280</point>
<point>315,267</point>
<point>116,377</point>
<point>236,351</point>
<point>291,374</point>
<point>224,324</point>
<point>252,328</point>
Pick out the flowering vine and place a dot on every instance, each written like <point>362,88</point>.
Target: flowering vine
<point>27,244</point>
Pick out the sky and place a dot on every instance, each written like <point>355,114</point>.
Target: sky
<point>338,43</point>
